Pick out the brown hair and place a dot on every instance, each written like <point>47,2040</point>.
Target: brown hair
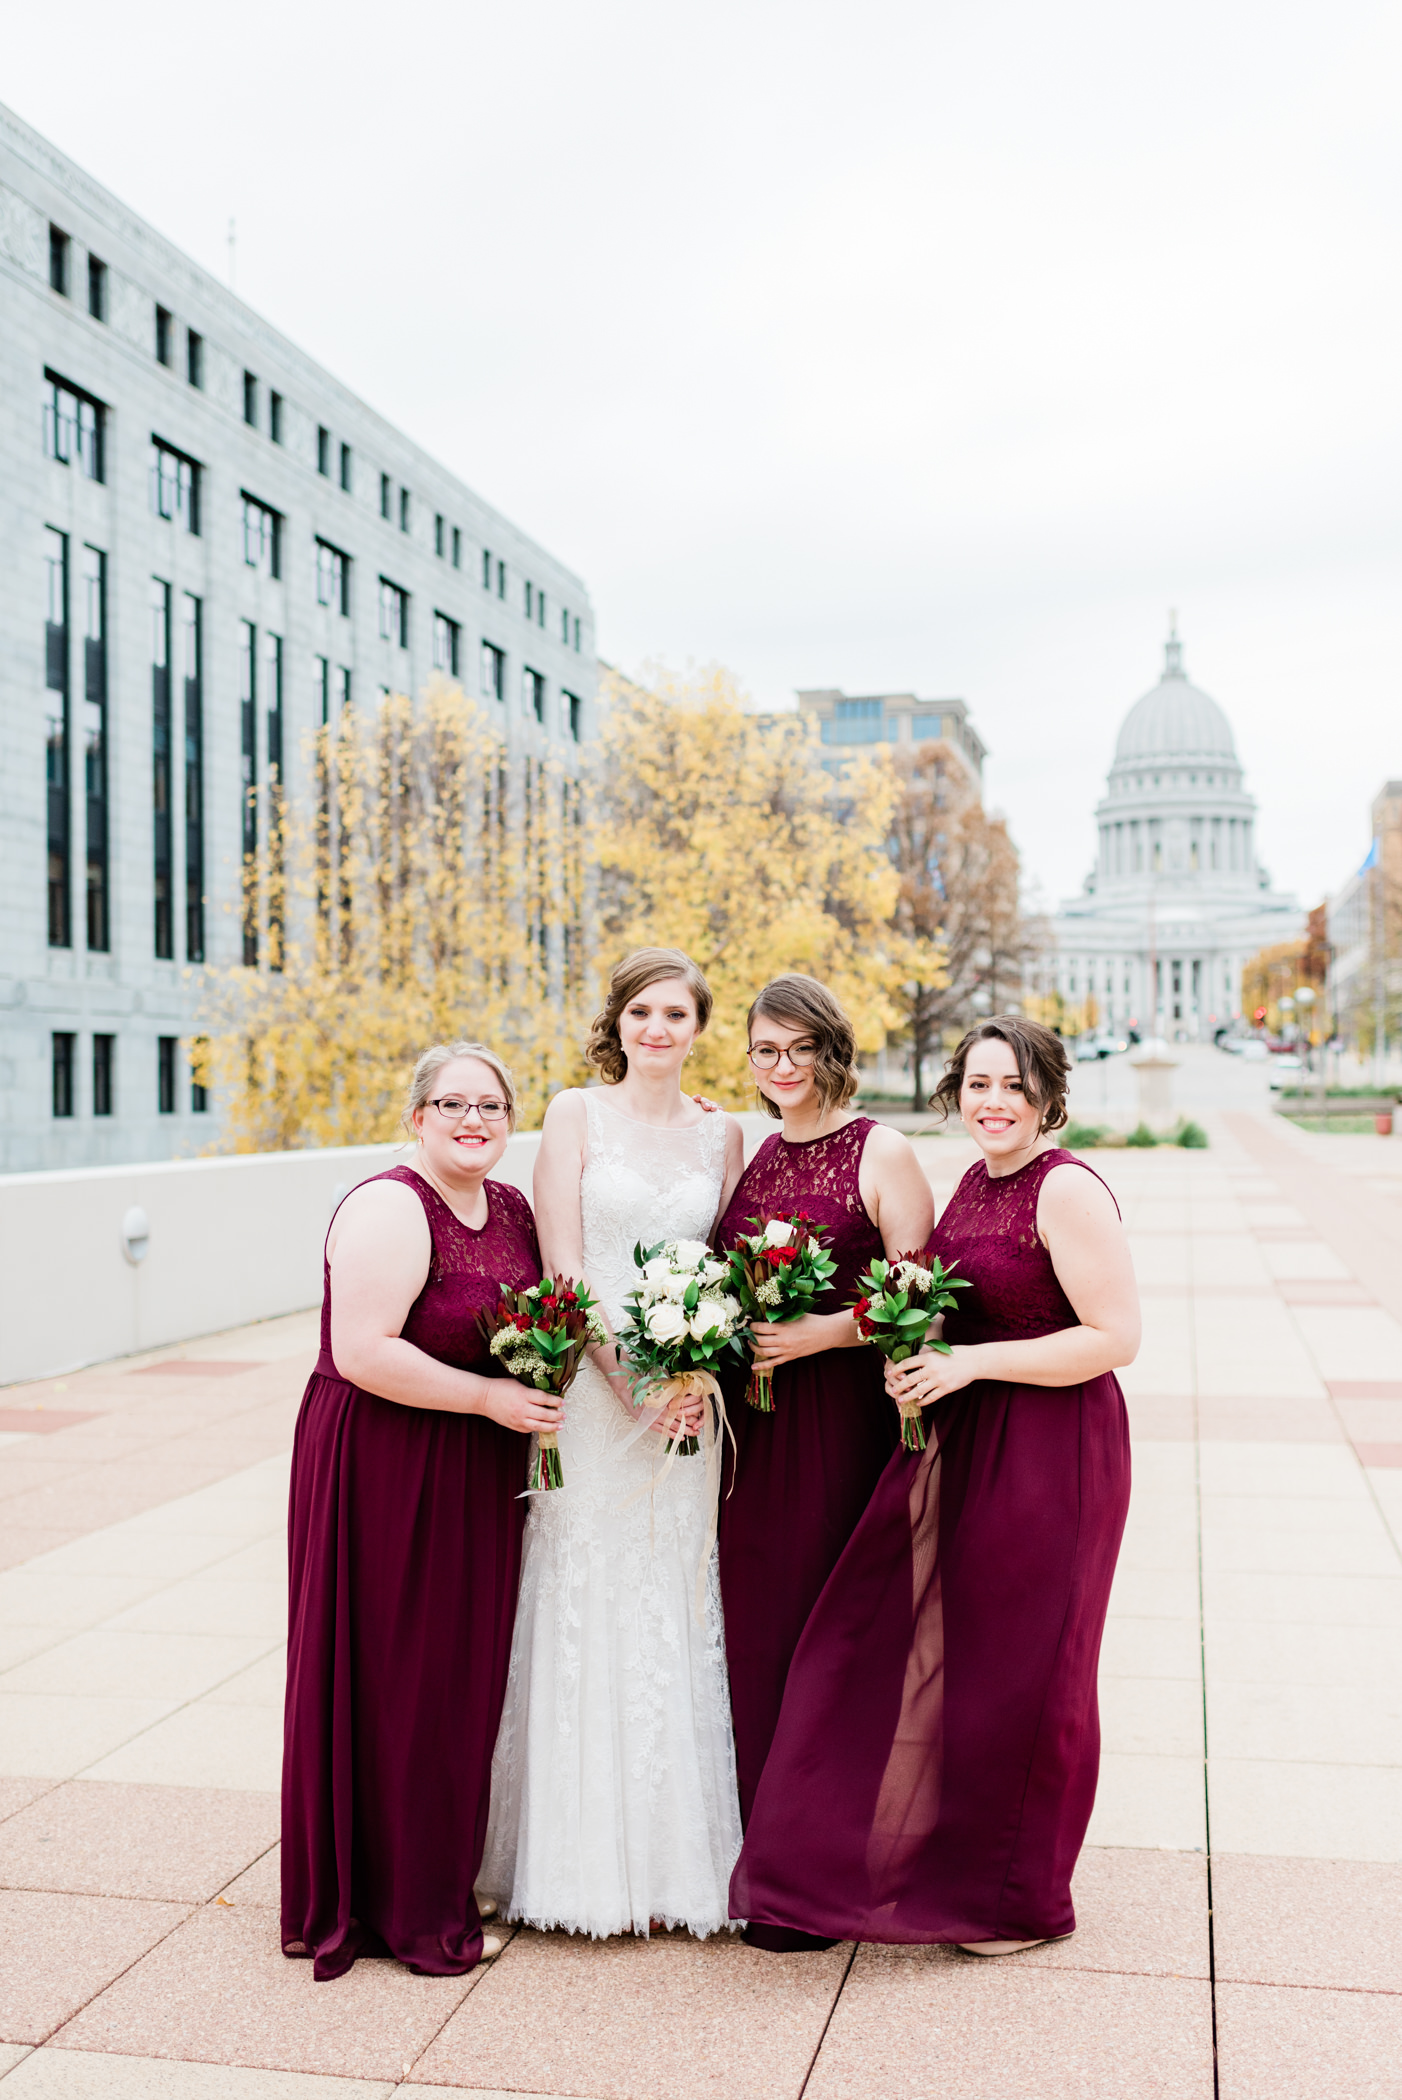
<point>639,969</point>
<point>431,1064</point>
<point>801,1002</point>
<point>1042,1065</point>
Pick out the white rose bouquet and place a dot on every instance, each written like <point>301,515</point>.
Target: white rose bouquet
<point>681,1323</point>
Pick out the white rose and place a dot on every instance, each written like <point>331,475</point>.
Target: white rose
<point>711,1313</point>
<point>713,1271</point>
<point>676,1287</point>
<point>666,1322</point>
<point>658,1269</point>
<point>689,1254</point>
<point>777,1233</point>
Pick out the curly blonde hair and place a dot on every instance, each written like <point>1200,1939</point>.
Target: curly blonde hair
<point>797,1001</point>
<point>639,969</point>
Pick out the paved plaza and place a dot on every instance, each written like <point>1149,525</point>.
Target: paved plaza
<point>1240,1898</point>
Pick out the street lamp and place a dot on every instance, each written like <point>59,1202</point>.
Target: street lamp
<point>1304,1001</point>
<point>1287,1009</point>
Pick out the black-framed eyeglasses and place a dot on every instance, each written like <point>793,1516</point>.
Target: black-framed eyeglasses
<point>454,1109</point>
<point>764,1056</point>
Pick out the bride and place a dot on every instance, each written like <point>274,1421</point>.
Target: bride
<point>613,1782</point>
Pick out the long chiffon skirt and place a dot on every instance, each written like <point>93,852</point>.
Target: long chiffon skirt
<point>935,1761</point>
<point>404,1536</point>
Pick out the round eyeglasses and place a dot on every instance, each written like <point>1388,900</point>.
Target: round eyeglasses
<point>454,1109</point>
<point>764,1056</point>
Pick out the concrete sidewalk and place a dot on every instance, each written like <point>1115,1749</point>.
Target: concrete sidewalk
<point>1250,1696</point>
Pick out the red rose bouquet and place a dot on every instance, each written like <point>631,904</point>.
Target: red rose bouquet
<point>900,1301</point>
<point>776,1272</point>
<point>539,1335</point>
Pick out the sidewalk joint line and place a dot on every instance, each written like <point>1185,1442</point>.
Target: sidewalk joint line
<point>813,2060</point>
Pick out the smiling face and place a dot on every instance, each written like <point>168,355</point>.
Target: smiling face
<point>658,1027</point>
<point>992,1103</point>
<point>788,1085</point>
<point>459,1149</point>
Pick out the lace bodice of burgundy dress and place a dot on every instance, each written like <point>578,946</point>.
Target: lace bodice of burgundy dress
<point>819,1177</point>
<point>988,1233</point>
<point>465,1272</point>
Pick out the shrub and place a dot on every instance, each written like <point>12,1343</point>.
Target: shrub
<point>1191,1136</point>
<point>1081,1137</point>
<point>1142,1137</point>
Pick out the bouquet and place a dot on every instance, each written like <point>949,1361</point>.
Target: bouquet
<point>776,1272</point>
<point>539,1335</point>
<point>680,1324</point>
<point>901,1299</point>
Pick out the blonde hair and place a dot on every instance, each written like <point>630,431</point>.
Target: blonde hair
<point>801,1002</point>
<point>639,969</point>
<point>431,1063</point>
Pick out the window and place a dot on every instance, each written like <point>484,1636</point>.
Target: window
<point>394,614</point>
<point>386,494</point>
<point>493,671</point>
<point>262,537</point>
<point>275,418</point>
<point>199,1064</point>
<point>165,336</point>
<point>194,358</point>
<point>501,579</point>
<point>63,1074</point>
<point>439,536</point>
<point>533,693</point>
<point>73,427</point>
<point>332,577</point>
<point>97,288</point>
<point>161,769</point>
<point>272,700</point>
<point>165,1074</point>
<point>540,608</point>
<point>576,632</point>
<point>530,601</point>
<point>94,617</point>
<point>457,548</point>
<point>486,569</point>
<point>56,737</point>
<point>272,704</point>
<point>574,711</point>
<point>446,634</point>
<point>323,449</point>
<point>250,399</point>
<point>175,485</point>
<point>59,248</point>
<point>564,627</point>
<point>346,468</point>
<point>191,658</point>
<point>404,510</point>
<point>248,751</point>
<point>103,1058</point>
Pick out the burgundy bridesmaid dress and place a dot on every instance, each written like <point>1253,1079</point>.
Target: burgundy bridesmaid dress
<point>934,1767</point>
<point>404,1535</point>
<point>802,1475</point>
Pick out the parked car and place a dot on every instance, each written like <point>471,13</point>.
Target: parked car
<point>1090,1048</point>
<point>1254,1050</point>
<point>1285,1070</point>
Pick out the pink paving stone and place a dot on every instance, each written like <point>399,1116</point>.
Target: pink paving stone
<point>58,1951</point>
<point>1385,1455</point>
<point>260,1886</point>
<point>1372,1421</point>
<point>1340,1290</point>
<point>18,1545</point>
<point>39,1421</point>
<point>220,1990</point>
<point>1158,1418</point>
<point>196,1367</point>
<point>963,2029</point>
<point>1275,2043</point>
<point>671,2018</point>
<point>1323,1922</point>
<point>1237,1419</point>
<point>1366,1388</point>
<point>16,1794</point>
<point>180,1844</point>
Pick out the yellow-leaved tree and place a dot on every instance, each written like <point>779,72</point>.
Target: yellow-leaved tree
<point>721,833</point>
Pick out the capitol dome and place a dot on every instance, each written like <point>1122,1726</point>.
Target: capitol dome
<point>1175,721</point>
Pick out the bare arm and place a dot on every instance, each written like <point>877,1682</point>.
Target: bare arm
<point>1078,1224</point>
<point>734,1168</point>
<point>380,1249</point>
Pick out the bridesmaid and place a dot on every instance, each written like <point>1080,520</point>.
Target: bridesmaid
<point>934,1767</point>
<point>404,1535</point>
<point>802,1475</point>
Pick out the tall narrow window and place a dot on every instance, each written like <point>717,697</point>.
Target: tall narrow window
<point>73,426</point>
<point>323,449</point>
<point>104,1049</point>
<point>540,608</point>
<point>404,510</point>
<point>165,1074</point>
<point>446,634</point>
<point>493,671</point>
<point>192,668</point>
<point>59,248</point>
<point>56,736</point>
<point>194,358</point>
<point>262,537</point>
<point>272,703</point>
<point>530,601</point>
<point>440,536</point>
<point>199,1065</point>
<point>534,693</point>
<point>275,417</point>
<point>457,547</point>
<point>161,770</point>
<point>394,614</point>
<point>486,569</point>
<point>501,579</point>
<point>248,747</point>
<point>63,1048</point>
<point>165,337</point>
<point>175,485</point>
<point>95,746</point>
<point>386,495</point>
<point>346,468</point>
<point>97,288</point>
<point>573,713</point>
<point>564,627</point>
<point>332,577</point>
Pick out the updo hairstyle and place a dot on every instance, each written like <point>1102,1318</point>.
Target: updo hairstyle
<point>431,1063</point>
<point>639,969</point>
<point>796,1001</point>
<point>1042,1064</point>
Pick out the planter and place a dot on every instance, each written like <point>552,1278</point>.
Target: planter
<point>1382,1122</point>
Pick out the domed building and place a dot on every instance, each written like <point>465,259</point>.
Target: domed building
<point>1177,901</point>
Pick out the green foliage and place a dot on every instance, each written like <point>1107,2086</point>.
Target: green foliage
<point>1081,1137</point>
<point>1142,1138</point>
<point>1191,1136</point>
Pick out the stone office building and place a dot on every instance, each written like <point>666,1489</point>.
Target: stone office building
<point>208,548</point>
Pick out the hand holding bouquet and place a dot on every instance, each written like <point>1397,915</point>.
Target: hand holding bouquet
<point>680,1324</point>
<point>900,1301</point>
<point>539,1335</point>
<point>776,1272</point>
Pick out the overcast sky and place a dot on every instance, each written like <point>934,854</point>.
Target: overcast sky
<point>910,347</point>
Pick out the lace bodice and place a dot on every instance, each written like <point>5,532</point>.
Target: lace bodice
<point>989,1230</point>
<point>643,1183</point>
<point>819,1176</point>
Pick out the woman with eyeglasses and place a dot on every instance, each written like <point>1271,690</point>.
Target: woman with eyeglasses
<point>803,1474</point>
<point>404,1536</point>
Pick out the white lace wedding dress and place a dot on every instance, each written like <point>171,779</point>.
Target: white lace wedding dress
<point>613,1781</point>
